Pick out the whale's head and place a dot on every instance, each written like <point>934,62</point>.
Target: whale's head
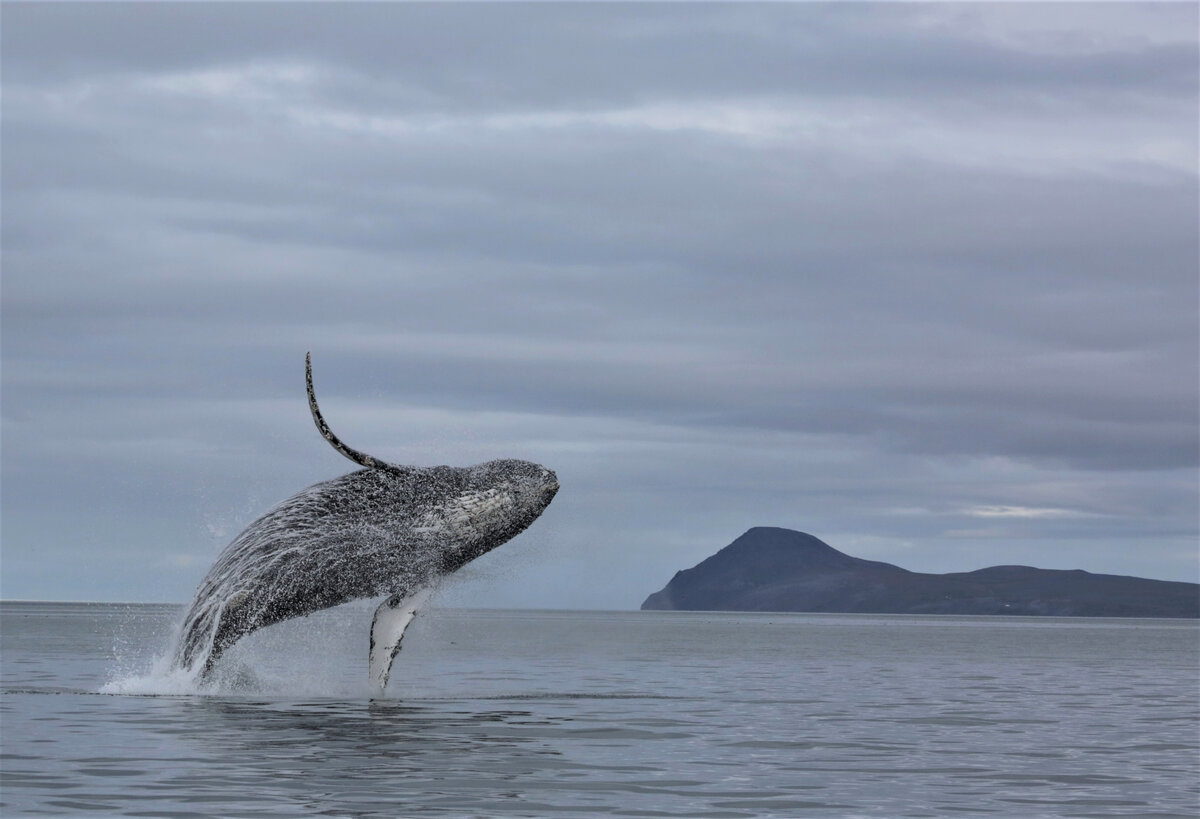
<point>484,506</point>
<point>468,511</point>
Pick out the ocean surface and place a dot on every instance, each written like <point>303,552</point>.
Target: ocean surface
<point>559,714</point>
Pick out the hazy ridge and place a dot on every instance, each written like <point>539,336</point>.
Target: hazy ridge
<point>775,569</point>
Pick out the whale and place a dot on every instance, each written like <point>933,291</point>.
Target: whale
<point>382,530</point>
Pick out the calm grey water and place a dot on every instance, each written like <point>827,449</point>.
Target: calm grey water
<point>550,714</point>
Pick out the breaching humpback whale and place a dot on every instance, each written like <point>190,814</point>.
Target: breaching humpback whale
<point>384,529</point>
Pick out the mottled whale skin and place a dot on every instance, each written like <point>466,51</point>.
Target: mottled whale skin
<point>383,530</point>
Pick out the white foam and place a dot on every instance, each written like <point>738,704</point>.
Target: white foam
<point>158,680</point>
<point>322,655</point>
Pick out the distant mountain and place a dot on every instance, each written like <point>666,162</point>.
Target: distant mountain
<point>772,569</point>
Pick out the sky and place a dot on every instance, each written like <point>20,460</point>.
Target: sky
<point>920,280</point>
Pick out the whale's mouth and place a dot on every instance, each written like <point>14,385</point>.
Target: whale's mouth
<point>549,490</point>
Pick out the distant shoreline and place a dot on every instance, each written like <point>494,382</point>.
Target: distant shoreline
<point>685,613</point>
<point>769,568</point>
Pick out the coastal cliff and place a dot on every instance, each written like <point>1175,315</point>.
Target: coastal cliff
<point>774,569</point>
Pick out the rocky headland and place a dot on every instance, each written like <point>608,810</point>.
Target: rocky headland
<point>774,569</point>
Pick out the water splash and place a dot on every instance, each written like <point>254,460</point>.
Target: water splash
<point>321,655</point>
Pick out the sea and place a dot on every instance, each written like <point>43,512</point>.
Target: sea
<point>501,713</point>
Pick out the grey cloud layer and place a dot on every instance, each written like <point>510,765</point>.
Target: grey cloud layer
<point>537,56</point>
<point>915,235</point>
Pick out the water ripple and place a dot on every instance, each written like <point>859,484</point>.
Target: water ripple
<point>544,716</point>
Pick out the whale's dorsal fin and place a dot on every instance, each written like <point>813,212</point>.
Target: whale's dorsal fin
<point>361,458</point>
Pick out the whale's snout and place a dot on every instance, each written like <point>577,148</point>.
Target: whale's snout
<point>549,488</point>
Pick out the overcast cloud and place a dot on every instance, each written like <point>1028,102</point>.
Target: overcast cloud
<point>918,279</point>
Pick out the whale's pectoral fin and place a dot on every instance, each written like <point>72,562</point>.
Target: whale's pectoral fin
<point>387,630</point>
